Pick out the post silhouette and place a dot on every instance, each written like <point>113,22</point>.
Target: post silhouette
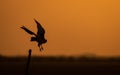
<point>28,62</point>
<point>38,37</point>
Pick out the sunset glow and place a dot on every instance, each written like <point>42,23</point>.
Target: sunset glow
<point>73,27</point>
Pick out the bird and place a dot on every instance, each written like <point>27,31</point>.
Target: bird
<point>39,37</point>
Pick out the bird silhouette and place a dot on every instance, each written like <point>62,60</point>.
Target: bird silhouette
<point>39,37</point>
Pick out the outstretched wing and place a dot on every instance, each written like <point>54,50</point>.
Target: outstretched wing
<point>28,31</point>
<point>41,30</point>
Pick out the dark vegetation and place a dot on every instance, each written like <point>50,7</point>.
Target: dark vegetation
<point>60,59</point>
<point>60,65</point>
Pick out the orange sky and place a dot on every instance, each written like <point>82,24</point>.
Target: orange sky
<point>73,27</point>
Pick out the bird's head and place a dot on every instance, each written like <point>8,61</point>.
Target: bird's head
<point>45,41</point>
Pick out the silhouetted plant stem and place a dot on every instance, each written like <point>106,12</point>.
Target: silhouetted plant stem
<point>28,62</point>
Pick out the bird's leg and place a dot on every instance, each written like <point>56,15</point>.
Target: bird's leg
<point>41,47</point>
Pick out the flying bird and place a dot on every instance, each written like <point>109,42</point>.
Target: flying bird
<point>39,37</point>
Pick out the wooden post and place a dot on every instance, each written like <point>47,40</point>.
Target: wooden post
<point>28,62</point>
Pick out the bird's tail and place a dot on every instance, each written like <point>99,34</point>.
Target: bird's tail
<point>33,39</point>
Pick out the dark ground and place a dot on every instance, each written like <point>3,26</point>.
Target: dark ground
<point>60,66</point>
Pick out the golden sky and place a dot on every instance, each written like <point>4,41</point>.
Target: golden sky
<point>73,27</point>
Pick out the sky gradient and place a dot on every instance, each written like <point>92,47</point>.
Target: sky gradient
<point>73,27</point>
